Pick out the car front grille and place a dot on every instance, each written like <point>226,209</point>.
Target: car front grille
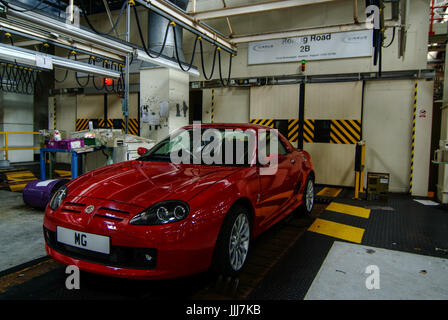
<point>119,256</point>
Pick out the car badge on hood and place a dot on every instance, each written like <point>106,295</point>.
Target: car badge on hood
<point>89,209</point>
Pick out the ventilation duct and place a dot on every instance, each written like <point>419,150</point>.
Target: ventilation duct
<point>156,33</point>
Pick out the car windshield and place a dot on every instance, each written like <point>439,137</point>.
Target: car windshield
<point>210,146</point>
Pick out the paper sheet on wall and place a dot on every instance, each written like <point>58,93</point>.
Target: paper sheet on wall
<point>154,119</point>
<point>164,109</point>
<point>145,116</point>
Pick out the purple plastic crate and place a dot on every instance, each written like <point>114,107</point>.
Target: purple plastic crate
<point>53,144</point>
<point>70,144</point>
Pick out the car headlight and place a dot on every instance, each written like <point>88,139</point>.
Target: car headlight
<point>162,213</point>
<point>58,197</point>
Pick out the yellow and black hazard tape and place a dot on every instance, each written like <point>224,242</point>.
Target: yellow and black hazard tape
<point>345,131</point>
<point>293,130</point>
<point>414,116</point>
<point>308,130</point>
<point>105,123</point>
<point>341,131</point>
<point>263,122</point>
<point>54,113</point>
<point>212,109</point>
<point>82,124</point>
<point>133,125</point>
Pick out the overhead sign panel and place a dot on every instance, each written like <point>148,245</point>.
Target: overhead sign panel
<point>315,47</point>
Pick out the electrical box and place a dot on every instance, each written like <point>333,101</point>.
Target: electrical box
<point>377,186</point>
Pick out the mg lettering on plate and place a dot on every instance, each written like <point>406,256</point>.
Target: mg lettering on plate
<point>80,239</point>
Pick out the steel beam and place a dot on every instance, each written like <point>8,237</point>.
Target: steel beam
<point>305,32</point>
<point>254,8</point>
<point>30,57</point>
<point>59,29</point>
<point>46,37</point>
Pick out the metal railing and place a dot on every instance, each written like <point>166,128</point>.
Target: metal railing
<point>7,148</point>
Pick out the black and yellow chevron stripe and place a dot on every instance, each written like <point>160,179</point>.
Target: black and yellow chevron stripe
<point>345,131</point>
<point>414,115</point>
<point>82,124</point>
<point>293,130</point>
<point>212,110</point>
<point>133,125</point>
<point>264,122</point>
<point>308,130</point>
<point>105,123</point>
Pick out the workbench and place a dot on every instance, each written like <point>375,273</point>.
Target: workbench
<point>76,161</point>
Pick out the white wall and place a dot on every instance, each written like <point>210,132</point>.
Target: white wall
<point>231,105</point>
<point>164,85</point>
<point>387,123</point>
<point>16,114</point>
<point>339,12</point>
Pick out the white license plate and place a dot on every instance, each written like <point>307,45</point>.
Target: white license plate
<point>84,240</point>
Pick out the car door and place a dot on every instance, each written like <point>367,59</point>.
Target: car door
<point>277,190</point>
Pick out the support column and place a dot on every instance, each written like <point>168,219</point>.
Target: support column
<point>442,183</point>
<point>160,86</point>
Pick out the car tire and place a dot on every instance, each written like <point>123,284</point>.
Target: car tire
<point>232,246</point>
<point>308,197</point>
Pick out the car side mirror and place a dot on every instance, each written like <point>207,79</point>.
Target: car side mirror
<point>141,151</point>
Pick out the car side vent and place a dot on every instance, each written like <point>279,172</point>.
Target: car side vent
<point>73,207</point>
<point>112,210</point>
<point>75,204</point>
<point>109,217</point>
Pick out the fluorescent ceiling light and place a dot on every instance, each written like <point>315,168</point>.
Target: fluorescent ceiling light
<point>163,62</point>
<point>47,61</point>
<point>8,53</point>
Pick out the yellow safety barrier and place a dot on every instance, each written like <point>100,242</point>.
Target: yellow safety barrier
<point>7,148</point>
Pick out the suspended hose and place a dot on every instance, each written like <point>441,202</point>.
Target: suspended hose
<point>230,69</point>
<point>177,50</point>
<point>76,76</point>
<point>391,41</point>
<point>66,71</point>
<point>16,78</point>
<point>84,13</point>
<point>92,60</point>
<point>202,62</point>
<point>143,40</point>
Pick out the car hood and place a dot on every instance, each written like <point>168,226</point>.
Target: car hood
<point>143,183</point>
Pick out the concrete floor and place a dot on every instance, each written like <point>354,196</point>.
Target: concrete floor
<point>401,275</point>
<point>20,231</point>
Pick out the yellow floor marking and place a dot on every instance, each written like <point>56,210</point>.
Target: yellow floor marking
<point>337,230</point>
<point>17,187</point>
<point>18,180</point>
<point>27,274</point>
<point>63,173</point>
<point>347,209</point>
<point>329,192</point>
<point>20,176</point>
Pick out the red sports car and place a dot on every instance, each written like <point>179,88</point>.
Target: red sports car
<point>155,218</point>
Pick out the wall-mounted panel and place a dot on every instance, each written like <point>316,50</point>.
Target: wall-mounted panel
<point>274,102</point>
